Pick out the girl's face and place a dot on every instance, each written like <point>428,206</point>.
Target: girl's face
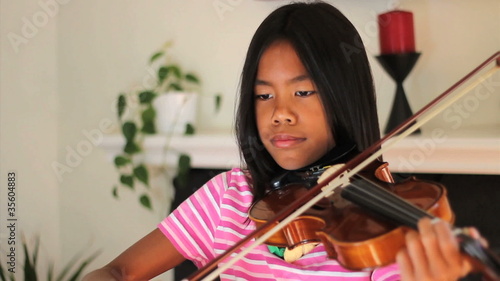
<point>291,119</point>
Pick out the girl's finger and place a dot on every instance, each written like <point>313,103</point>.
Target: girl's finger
<point>417,256</point>
<point>430,236</point>
<point>405,266</point>
<point>474,233</point>
<point>450,250</point>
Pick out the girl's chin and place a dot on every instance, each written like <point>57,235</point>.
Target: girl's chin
<point>293,165</point>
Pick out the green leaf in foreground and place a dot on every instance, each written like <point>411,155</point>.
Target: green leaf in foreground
<point>30,264</point>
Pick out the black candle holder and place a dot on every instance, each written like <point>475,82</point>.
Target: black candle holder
<point>398,66</point>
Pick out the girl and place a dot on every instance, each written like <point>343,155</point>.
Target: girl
<point>307,98</point>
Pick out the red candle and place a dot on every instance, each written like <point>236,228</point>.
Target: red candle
<point>396,32</point>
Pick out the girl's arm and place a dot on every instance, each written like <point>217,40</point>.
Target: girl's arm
<point>149,257</point>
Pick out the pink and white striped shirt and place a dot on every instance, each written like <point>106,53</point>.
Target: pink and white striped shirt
<point>216,217</point>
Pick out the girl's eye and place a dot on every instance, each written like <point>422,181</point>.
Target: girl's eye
<point>263,96</point>
<point>304,93</point>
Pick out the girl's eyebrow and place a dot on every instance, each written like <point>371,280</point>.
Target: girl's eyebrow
<point>296,79</point>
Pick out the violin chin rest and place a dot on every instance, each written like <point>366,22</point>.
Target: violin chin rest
<point>295,253</point>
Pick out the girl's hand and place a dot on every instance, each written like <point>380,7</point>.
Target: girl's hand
<point>432,254</point>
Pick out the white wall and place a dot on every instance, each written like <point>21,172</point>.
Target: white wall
<point>29,106</point>
<point>67,76</point>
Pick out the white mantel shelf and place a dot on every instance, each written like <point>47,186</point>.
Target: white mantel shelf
<point>414,154</point>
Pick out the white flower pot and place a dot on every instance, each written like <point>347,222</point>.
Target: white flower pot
<point>174,110</point>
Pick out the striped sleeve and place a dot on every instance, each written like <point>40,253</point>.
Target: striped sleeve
<point>386,273</point>
<point>192,225</point>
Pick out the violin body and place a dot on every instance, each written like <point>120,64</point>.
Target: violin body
<point>358,239</point>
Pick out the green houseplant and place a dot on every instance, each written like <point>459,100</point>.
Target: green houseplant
<point>71,271</point>
<point>141,121</point>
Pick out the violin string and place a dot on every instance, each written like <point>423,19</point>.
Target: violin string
<point>328,189</point>
<point>404,207</point>
<point>371,196</point>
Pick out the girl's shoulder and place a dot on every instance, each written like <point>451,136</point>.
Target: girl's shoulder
<point>235,177</point>
<point>241,177</point>
<point>234,182</point>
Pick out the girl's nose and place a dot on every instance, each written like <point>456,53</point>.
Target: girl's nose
<point>284,114</point>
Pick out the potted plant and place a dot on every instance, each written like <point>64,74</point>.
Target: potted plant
<point>71,271</point>
<point>138,113</point>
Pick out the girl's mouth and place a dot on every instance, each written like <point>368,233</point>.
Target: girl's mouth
<point>285,141</point>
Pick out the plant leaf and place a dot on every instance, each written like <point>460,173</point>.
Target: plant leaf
<point>149,114</point>
<point>184,163</point>
<point>129,129</point>
<point>146,97</point>
<point>120,105</point>
<point>162,74</point>
<point>35,252</point>
<point>141,173</point>
<point>3,274</point>
<point>176,71</point>
<point>184,166</point>
<point>50,272</point>
<point>155,56</point>
<point>82,266</point>
<point>29,267</point>
<point>67,267</point>
<point>127,180</point>
<point>149,127</point>
<point>115,192</point>
<point>189,129</point>
<point>192,78</point>
<point>218,102</point>
<point>131,147</point>
<point>121,161</point>
<point>175,87</point>
<point>145,201</point>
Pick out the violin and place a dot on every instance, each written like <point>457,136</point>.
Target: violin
<point>364,225</point>
<point>357,239</point>
<point>348,192</point>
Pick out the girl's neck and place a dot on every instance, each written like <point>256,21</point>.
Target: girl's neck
<point>309,175</point>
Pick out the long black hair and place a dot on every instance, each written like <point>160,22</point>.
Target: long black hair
<point>335,58</point>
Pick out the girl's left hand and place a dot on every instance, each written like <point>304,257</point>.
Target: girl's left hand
<point>432,254</point>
